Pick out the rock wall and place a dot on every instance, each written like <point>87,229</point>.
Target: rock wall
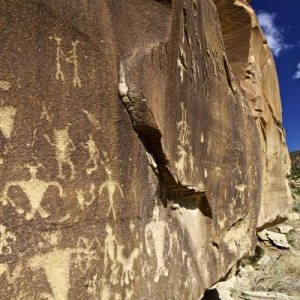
<point>129,159</point>
<point>254,69</point>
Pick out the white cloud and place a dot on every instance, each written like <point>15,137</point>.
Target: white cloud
<point>297,74</point>
<point>274,34</point>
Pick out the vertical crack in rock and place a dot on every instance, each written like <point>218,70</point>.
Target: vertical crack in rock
<point>145,126</point>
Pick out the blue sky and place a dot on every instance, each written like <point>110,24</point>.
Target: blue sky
<point>281,22</point>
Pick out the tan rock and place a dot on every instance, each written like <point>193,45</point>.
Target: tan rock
<point>294,216</point>
<point>278,239</point>
<point>129,158</point>
<point>264,296</point>
<point>285,229</point>
<point>253,66</point>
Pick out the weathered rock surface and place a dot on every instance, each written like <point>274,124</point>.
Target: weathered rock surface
<point>129,159</point>
<point>254,69</point>
<point>250,295</point>
<point>283,228</point>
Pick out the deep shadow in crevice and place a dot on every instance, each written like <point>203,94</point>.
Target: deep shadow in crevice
<point>211,295</point>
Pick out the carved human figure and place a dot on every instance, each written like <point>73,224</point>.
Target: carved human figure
<point>186,160</point>
<point>94,154</point>
<point>110,254</point>
<point>112,188</point>
<point>34,189</point>
<point>64,147</point>
<point>70,57</point>
<point>155,233</point>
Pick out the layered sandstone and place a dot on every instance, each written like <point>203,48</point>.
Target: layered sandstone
<point>129,159</point>
<point>253,66</point>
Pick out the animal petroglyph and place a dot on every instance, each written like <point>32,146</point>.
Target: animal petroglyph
<point>7,120</point>
<point>70,57</point>
<point>5,85</point>
<point>34,189</point>
<point>94,154</point>
<point>186,159</point>
<point>7,239</point>
<point>64,147</point>
<point>92,119</point>
<point>127,263</point>
<point>56,265</point>
<point>114,256</point>
<point>155,233</point>
<point>81,198</point>
<point>112,188</point>
<point>87,253</point>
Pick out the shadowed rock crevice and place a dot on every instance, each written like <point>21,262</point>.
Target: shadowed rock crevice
<point>150,136</point>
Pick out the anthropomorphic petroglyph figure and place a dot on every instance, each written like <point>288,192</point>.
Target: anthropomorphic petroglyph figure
<point>186,159</point>
<point>7,239</point>
<point>87,253</point>
<point>155,233</point>
<point>94,154</point>
<point>7,120</point>
<point>34,189</point>
<point>56,265</point>
<point>64,147</point>
<point>112,188</point>
<point>70,57</point>
<point>182,162</point>
<point>240,192</point>
<point>110,254</point>
<point>81,198</point>
<point>183,127</point>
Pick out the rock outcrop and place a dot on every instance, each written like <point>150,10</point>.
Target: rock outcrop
<point>130,160</point>
<point>254,68</point>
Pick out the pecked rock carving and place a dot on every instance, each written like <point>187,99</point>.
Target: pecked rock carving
<point>144,138</point>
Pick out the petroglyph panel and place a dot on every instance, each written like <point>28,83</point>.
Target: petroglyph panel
<point>109,199</point>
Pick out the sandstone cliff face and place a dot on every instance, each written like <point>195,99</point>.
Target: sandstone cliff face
<point>130,160</point>
<point>254,68</point>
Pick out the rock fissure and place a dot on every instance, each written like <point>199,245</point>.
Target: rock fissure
<point>194,197</point>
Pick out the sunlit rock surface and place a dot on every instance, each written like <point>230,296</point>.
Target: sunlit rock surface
<point>253,66</point>
<point>130,161</point>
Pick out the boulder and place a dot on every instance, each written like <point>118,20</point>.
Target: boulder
<point>285,229</point>
<point>278,239</point>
